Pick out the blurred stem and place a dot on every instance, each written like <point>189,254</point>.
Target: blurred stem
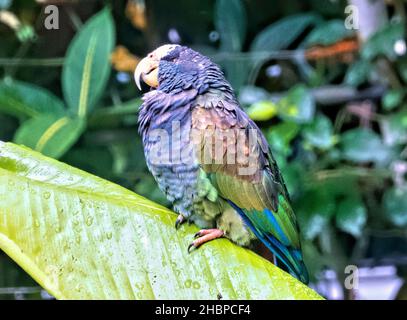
<point>384,68</point>
<point>108,137</point>
<point>399,6</point>
<point>340,120</point>
<point>337,259</point>
<point>361,245</point>
<point>11,70</point>
<point>50,62</point>
<point>358,172</point>
<point>374,207</point>
<point>115,96</point>
<point>319,73</point>
<point>103,115</point>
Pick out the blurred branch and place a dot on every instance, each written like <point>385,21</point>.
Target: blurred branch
<point>258,55</point>
<point>399,6</point>
<point>50,62</point>
<point>313,53</point>
<point>109,114</point>
<point>339,94</point>
<point>352,171</point>
<point>360,248</point>
<point>340,48</point>
<point>11,69</point>
<point>385,69</point>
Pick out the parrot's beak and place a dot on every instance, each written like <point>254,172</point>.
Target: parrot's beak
<point>147,70</point>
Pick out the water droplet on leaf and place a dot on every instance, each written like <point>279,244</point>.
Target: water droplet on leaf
<point>89,221</point>
<point>188,283</point>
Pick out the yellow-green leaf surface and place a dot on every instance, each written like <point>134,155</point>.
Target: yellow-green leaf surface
<point>82,237</point>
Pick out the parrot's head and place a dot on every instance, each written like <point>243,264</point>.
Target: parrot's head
<point>171,68</point>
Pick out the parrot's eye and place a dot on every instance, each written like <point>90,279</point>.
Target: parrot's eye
<point>172,56</point>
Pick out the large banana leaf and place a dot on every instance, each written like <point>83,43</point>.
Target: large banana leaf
<point>81,237</point>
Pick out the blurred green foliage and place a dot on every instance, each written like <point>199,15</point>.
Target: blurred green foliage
<point>337,124</point>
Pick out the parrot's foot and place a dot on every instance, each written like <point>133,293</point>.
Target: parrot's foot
<point>205,235</point>
<point>180,220</point>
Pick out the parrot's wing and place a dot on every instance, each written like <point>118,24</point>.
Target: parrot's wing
<point>236,156</point>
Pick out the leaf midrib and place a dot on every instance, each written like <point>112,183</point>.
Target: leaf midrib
<point>86,75</point>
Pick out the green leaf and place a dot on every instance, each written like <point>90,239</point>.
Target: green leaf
<point>393,99</point>
<point>337,182</point>
<point>298,105</point>
<point>262,111</point>
<point>23,99</point>
<point>395,206</point>
<point>82,237</point>
<point>280,136</point>
<point>314,212</point>
<point>282,33</point>
<point>293,173</point>
<point>364,145</point>
<point>86,69</point>
<point>319,133</point>
<point>327,33</point>
<point>382,42</point>
<point>351,216</point>
<point>394,128</point>
<point>357,73</point>
<point>230,21</point>
<point>314,260</point>
<point>277,36</point>
<point>51,135</point>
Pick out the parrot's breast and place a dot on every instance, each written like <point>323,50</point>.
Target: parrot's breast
<point>172,159</point>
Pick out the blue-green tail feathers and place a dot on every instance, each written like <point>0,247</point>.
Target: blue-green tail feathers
<point>290,257</point>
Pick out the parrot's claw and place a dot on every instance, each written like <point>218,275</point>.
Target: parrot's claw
<point>180,220</point>
<point>191,245</point>
<point>205,235</point>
